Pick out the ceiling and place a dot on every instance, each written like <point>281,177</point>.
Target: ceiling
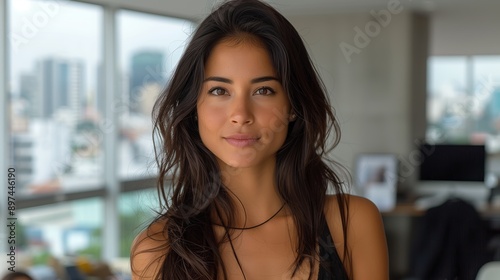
<point>342,6</point>
<point>196,9</point>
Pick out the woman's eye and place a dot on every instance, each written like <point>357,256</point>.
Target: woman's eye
<point>265,91</point>
<point>217,91</point>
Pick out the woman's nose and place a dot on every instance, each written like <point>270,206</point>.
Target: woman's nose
<point>241,110</point>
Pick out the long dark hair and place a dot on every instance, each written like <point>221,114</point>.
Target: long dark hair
<point>16,275</point>
<point>190,185</point>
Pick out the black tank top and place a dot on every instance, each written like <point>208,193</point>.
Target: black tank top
<point>331,266</point>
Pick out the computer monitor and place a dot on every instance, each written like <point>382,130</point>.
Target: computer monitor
<point>452,163</point>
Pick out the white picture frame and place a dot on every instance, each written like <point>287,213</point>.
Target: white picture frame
<point>376,177</point>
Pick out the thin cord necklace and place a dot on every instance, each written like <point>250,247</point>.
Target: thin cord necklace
<point>258,225</point>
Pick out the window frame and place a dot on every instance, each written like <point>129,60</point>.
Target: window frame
<point>4,136</point>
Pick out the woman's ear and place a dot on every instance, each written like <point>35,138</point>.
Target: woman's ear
<point>292,117</point>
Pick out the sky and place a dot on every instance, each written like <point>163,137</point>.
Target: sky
<point>74,30</point>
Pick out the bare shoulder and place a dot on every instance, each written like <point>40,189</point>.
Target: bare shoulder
<point>148,251</point>
<point>359,210</point>
<point>355,202</point>
<point>366,239</point>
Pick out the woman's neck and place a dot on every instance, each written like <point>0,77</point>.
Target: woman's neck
<point>253,191</point>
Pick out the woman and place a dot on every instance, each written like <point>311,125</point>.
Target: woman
<point>244,123</point>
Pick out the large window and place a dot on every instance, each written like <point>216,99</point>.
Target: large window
<point>79,76</point>
<point>55,120</point>
<point>464,100</point>
<point>149,48</point>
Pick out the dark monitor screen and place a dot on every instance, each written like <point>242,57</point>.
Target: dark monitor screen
<point>460,163</point>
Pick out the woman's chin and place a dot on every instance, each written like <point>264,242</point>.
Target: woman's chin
<point>238,164</point>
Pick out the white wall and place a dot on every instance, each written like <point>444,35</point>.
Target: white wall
<point>371,93</point>
<point>465,32</point>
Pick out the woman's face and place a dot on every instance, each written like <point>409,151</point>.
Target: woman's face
<point>243,111</point>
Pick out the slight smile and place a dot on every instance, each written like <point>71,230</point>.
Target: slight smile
<point>241,140</point>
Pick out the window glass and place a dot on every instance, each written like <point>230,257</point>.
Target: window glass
<point>485,103</point>
<point>56,130</point>
<point>136,209</point>
<point>447,88</point>
<point>53,234</point>
<point>149,48</point>
<point>464,100</point>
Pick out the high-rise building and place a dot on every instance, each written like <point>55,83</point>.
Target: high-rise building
<point>28,88</point>
<point>146,68</point>
<point>495,103</point>
<point>100,97</point>
<point>61,86</point>
<point>42,153</point>
<point>22,158</point>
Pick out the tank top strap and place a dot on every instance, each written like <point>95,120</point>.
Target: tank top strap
<point>331,266</point>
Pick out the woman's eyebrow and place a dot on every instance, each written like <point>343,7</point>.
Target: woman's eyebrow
<point>229,81</point>
<point>264,79</point>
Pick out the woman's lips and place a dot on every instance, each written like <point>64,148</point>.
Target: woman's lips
<point>241,141</point>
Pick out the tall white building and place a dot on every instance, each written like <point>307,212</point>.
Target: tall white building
<point>42,153</point>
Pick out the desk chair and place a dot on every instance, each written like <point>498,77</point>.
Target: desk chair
<point>73,273</point>
<point>489,271</point>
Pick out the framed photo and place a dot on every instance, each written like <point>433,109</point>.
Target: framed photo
<point>376,179</point>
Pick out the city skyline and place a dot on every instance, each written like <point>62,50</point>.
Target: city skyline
<point>44,150</point>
